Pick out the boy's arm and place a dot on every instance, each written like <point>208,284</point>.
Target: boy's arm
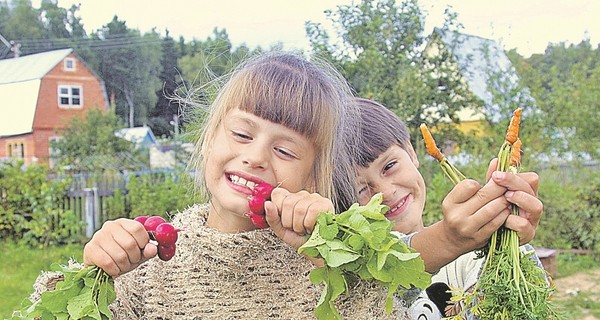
<point>472,213</point>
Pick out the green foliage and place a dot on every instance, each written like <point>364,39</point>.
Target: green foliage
<point>32,206</point>
<point>357,243</point>
<point>571,217</point>
<point>21,265</point>
<point>90,144</point>
<point>84,293</point>
<point>162,194</point>
<point>379,52</point>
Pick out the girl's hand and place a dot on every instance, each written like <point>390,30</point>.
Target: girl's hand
<point>293,215</point>
<point>119,247</point>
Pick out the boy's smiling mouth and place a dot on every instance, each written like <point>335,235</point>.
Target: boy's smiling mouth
<point>399,207</point>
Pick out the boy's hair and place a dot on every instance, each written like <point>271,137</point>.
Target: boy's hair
<point>310,98</point>
<point>380,129</point>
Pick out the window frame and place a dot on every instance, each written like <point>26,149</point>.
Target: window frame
<point>66,66</point>
<point>70,96</point>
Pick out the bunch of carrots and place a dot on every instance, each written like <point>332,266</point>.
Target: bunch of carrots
<point>511,285</point>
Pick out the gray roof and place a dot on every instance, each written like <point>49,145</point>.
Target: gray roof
<point>30,67</point>
<point>20,80</point>
<point>478,59</point>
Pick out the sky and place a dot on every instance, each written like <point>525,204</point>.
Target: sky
<point>527,25</point>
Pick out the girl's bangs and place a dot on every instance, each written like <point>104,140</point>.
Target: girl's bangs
<point>286,97</point>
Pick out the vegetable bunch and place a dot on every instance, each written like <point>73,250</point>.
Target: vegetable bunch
<point>162,232</point>
<point>511,285</point>
<point>85,293</point>
<point>357,244</point>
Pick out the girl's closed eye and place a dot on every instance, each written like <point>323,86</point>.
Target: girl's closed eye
<point>285,153</point>
<point>241,136</point>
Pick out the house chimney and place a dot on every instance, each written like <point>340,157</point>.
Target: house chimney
<point>15,48</point>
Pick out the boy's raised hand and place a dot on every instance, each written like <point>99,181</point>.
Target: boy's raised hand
<point>119,247</point>
<point>292,216</point>
<point>523,192</point>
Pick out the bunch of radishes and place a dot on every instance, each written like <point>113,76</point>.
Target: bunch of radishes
<point>256,204</point>
<point>163,232</point>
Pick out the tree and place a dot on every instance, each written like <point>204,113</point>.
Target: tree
<point>166,109</point>
<point>89,144</point>
<point>378,49</point>
<point>129,64</point>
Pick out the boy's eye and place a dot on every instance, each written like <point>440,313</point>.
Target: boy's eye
<point>389,165</point>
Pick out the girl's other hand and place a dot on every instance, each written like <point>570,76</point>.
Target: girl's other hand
<point>119,247</point>
<point>293,215</point>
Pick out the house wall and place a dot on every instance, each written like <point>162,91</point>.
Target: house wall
<point>50,117</point>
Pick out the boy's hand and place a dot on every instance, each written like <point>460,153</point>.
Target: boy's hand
<point>523,192</point>
<point>119,247</point>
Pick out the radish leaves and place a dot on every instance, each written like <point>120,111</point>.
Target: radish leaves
<point>358,243</point>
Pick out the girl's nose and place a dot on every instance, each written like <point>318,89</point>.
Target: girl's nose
<point>256,156</point>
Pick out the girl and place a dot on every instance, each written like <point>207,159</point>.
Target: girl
<point>276,121</point>
<point>388,163</point>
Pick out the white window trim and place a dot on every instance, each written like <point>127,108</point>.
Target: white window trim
<point>70,105</point>
<point>73,64</point>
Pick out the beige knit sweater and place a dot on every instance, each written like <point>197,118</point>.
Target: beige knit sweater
<point>251,275</point>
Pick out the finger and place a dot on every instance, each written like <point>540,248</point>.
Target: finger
<point>484,195</point>
<point>512,182</point>
<point>524,229</point>
<point>96,256</point>
<point>491,168</point>
<point>136,230</point>
<point>530,207</point>
<point>278,197</point>
<point>487,229</point>
<point>273,218</point>
<point>463,191</point>
<point>150,251</point>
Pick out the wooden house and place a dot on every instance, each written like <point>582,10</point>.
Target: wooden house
<point>39,95</point>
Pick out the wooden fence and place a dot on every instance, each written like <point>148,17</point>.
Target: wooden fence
<point>89,196</point>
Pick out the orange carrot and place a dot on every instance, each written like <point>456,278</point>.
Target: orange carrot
<point>512,134</point>
<point>432,149</point>
<point>515,156</point>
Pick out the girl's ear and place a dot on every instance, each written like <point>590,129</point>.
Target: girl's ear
<point>413,154</point>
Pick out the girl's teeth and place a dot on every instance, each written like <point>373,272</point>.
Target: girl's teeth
<point>242,182</point>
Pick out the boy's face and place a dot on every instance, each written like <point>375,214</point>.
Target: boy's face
<point>247,150</point>
<point>395,174</point>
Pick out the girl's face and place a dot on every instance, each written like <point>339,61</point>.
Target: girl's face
<point>248,150</point>
<point>395,174</point>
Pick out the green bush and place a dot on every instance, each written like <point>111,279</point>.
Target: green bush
<point>31,206</point>
<point>571,217</point>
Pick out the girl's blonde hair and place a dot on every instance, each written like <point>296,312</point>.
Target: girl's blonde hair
<point>310,98</point>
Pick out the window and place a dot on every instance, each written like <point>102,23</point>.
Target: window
<point>69,64</point>
<point>16,150</point>
<point>70,96</point>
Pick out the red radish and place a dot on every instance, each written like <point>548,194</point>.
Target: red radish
<point>153,222</point>
<point>166,234</point>
<point>259,220</point>
<point>263,190</point>
<point>141,219</point>
<point>166,252</point>
<point>257,204</point>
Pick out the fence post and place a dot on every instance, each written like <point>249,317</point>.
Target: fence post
<point>92,217</point>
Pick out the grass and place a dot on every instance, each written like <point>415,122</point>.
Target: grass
<point>582,304</point>
<point>20,267</point>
